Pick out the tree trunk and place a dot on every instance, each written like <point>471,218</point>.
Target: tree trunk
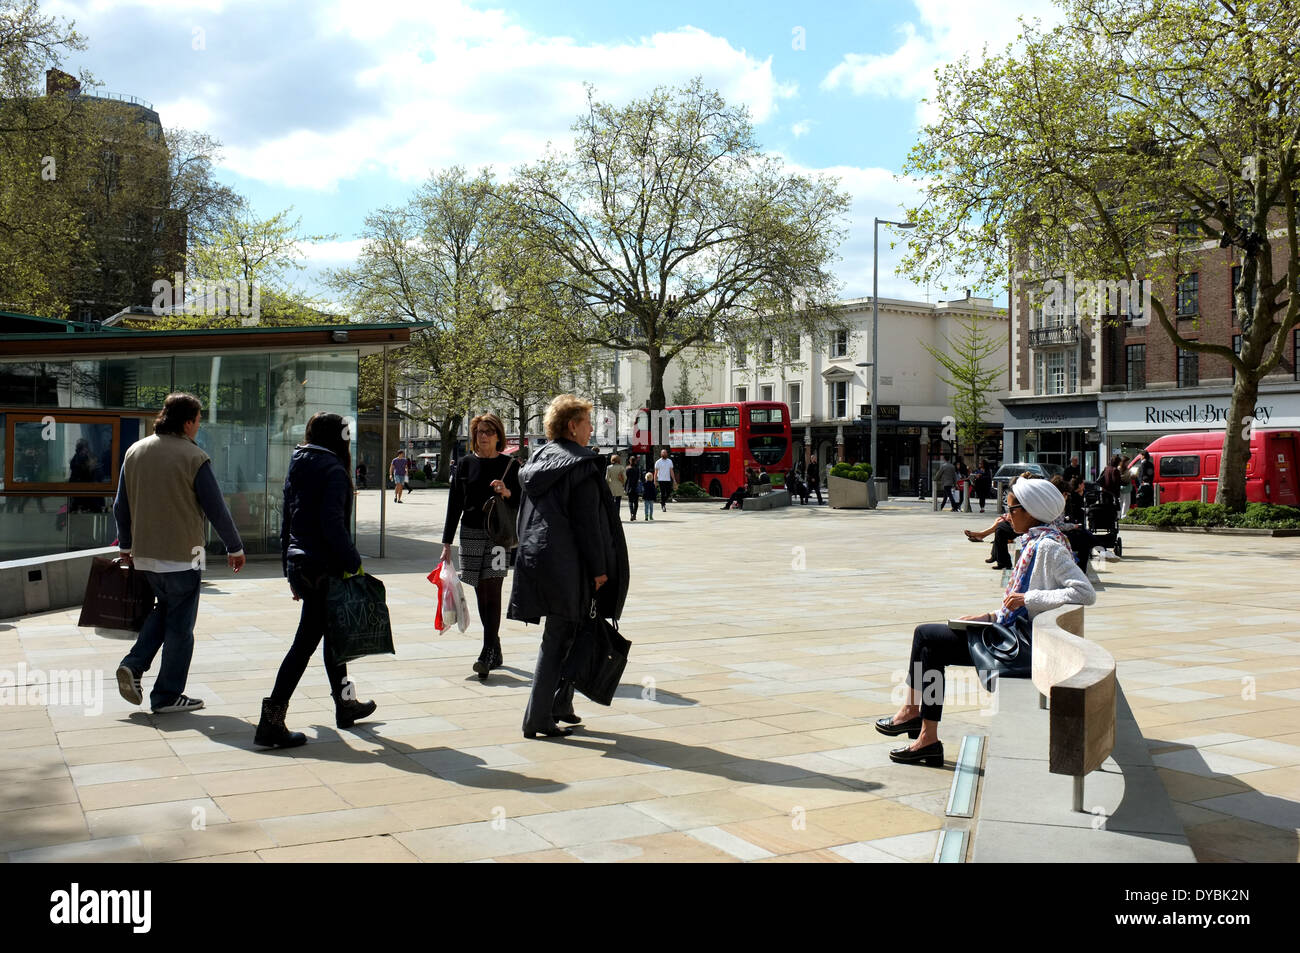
<point>448,429</point>
<point>522,409</point>
<point>657,399</point>
<point>1236,444</point>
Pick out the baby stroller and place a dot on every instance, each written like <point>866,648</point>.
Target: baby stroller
<point>1103,524</point>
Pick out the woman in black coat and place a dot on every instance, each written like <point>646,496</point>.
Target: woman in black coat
<point>481,475</point>
<point>571,551</point>
<point>315,546</point>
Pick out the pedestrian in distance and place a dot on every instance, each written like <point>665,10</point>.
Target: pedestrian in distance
<point>946,479</point>
<point>397,471</point>
<point>616,478</point>
<point>814,480</point>
<point>164,491</point>
<point>1072,472</point>
<point>666,477</point>
<point>572,554</point>
<point>983,482</point>
<point>648,494</point>
<point>361,476</point>
<point>632,483</point>
<point>482,474</point>
<point>1112,481</point>
<point>1045,577</point>
<point>315,547</point>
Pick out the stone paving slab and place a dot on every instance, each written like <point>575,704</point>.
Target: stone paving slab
<point>764,645</point>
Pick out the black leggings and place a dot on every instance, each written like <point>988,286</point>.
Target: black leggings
<point>488,594</point>
<point>632,500</point>
<point>311,589</point>
<point>934,646</point>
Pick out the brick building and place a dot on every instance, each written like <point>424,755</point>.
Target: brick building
<point>1091,387</point>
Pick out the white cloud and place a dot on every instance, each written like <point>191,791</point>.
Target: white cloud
<point>802,128</point>
<point>947,29</point>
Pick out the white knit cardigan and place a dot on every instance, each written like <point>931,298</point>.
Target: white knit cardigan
<point>1056,580</point>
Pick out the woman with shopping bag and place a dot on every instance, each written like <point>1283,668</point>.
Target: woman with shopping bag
<point>485,478</point>
<point>571,553</point>
<point>316,546</point>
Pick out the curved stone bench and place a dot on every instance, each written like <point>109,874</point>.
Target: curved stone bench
<point>1077,677</point>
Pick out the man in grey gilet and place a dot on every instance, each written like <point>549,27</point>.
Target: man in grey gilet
<point>165,489</point>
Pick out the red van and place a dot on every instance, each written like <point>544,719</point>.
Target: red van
<point>1186,461</point>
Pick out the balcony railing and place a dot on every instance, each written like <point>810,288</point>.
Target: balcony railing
<point>1056,334</point>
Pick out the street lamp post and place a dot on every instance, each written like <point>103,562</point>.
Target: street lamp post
<point>875,324</point>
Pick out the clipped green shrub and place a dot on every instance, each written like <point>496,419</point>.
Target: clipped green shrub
<point>861,472</point>
<point>690,490</point>
<point>1195,513</point>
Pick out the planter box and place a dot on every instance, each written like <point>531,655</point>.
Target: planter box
<point>1212,530</point>
<point>849,494</point>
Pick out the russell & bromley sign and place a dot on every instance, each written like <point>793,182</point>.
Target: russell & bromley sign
<point>1279,409</point>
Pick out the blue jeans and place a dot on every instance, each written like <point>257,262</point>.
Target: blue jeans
<point>170,627</point>
<point>650,507</point>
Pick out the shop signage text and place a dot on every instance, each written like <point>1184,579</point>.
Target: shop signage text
<point>1200,414</point>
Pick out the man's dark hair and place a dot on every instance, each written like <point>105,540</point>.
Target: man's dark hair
<point>178,410</point>
<point>326,430</point>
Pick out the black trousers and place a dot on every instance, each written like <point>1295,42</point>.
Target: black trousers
<point>665,492</point>
<point>1002,538</point>
<point>632,500</point>
<point>934,646</point>
<point>311,589</point>
<point>551,695</point>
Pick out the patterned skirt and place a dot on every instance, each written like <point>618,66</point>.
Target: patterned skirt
<point>478,559</point>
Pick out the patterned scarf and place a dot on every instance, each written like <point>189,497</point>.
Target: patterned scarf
<point>1025,567</point>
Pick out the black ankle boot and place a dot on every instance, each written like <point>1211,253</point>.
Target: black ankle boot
<point>271,732</point>
<point>488,659</point>
<point>348,711</point>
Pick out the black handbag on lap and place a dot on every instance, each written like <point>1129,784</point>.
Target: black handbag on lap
<point>1000,650</point>
<point>596,658</point>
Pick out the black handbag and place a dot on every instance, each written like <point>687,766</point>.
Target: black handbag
<point>997,649</point>
<point>356,619</point>
<point>500,516</point>
<point>596,658</point>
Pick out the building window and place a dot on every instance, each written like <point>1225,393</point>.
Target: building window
<point>1135,361</point>
<point>1038,373</point>
<point>741,357</point>
<point>1056,372</point>
<point>764,391</point>
<point>613,373</point>
<point>1295,353</point>
<point>839,394</point>
<point>1072,372</point>
<point>840,344</point>
<point>794,394</point>
<point>792,347</point>
<point>742,394</point>
<point>769,351</point>
<point>1189,368</point>
<point>1188,298</point>
<point>1236,349</point>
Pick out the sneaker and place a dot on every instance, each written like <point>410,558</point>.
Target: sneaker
<point>182,703</point>
<point>128,684</point>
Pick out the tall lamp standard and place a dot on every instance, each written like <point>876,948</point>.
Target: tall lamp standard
<point>875,324</point>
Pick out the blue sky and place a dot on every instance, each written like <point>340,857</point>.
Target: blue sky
<point>337,107</point>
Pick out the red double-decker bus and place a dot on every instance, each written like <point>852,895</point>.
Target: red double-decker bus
<point>713,444</point>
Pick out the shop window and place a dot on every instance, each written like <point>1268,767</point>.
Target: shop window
<point>60,452</point>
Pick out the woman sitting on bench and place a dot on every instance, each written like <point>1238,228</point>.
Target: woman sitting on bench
<point>1045,578</point>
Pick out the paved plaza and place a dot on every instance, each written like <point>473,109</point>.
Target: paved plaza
<point>764,645</point>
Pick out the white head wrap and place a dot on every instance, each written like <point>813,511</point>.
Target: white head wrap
<point>1040,499</point>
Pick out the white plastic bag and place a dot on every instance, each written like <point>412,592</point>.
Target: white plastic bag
<point>455,609</point>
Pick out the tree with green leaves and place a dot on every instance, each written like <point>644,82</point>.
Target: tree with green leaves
<point>430,261</point>
<point>676,230</point>
<point>973,379</point>
<point>1108,147</point>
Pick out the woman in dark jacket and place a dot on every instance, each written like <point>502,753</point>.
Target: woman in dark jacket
<point>571,550</point>
<point>316,546</point>
<point>485,473</point>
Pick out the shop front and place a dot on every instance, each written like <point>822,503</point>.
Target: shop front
<point>1040,431</point>
<point>1133,421</point>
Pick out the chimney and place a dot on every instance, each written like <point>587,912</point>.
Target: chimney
<point>57,81</point>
